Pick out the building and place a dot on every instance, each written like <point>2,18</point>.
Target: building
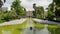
<point>29,13</point>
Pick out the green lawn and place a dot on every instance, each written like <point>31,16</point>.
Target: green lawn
<point>54,29</point>
<point>14,29</point>
<point>39,26</point>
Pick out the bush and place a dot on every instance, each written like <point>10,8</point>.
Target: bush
<point>7,16</point>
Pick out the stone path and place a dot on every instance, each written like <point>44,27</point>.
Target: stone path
<point>45,21</point>
<point>18,21</point>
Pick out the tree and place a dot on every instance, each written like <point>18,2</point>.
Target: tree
<point>34,12</point>
<point>24,12</point>
<point>57,12</point>
<point>10,16</point>
<point>18,8</point>
<point>57,9</point>
<point>1,3</point>
<point>34,5</point>
<point>53,30</point>
<point>39,11</point>
<point>51,14</point>
<point>4,1</point>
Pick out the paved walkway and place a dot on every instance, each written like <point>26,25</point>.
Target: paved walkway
<point>18,21</point>
<point>45,21</point>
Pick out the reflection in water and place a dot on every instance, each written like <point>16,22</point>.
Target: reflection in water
<point>57,30</point>
<point>36,30</point>
<point>27,31</point>
<point>54,30</point>
<point>43,31</point>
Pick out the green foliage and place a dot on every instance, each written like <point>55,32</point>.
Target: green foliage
<point>8,16</point>
<point>15,13</point>
<point>57,7</point>
<point>57,13</point>
<point>51,14</point>
<point>38,26</point>
<point>57,2</point>
<point>39,12</point>
<point>34,14</point>
<point>18,8</point>
<point>11,15</point>
<point>14,29</point>
<point>2,17</point>
<point>34,5</point>
<point>54,29</point>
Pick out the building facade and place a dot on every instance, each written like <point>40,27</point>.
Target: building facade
<point>29,13</point>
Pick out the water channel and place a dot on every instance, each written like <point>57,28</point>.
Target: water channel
<point>30,27</point>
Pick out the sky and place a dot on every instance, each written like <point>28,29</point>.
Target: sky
<point>28,4</point>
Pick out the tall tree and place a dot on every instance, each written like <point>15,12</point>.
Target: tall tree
<point>57,9</point>
<point>39,11</point>
<point>57,12</point>
<point>1,3</point>
<point>18,8</point>
<point>51,12</point>
<point>34,12</point>
<point>4,1</point>
<point>34,5</point>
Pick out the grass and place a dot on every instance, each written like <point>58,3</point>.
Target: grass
<point>54,29</point>
<point>15,29</point>
<point>53,26</point>
<point>39,26</point>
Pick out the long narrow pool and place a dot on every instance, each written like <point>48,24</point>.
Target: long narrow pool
<point>30,27</point>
